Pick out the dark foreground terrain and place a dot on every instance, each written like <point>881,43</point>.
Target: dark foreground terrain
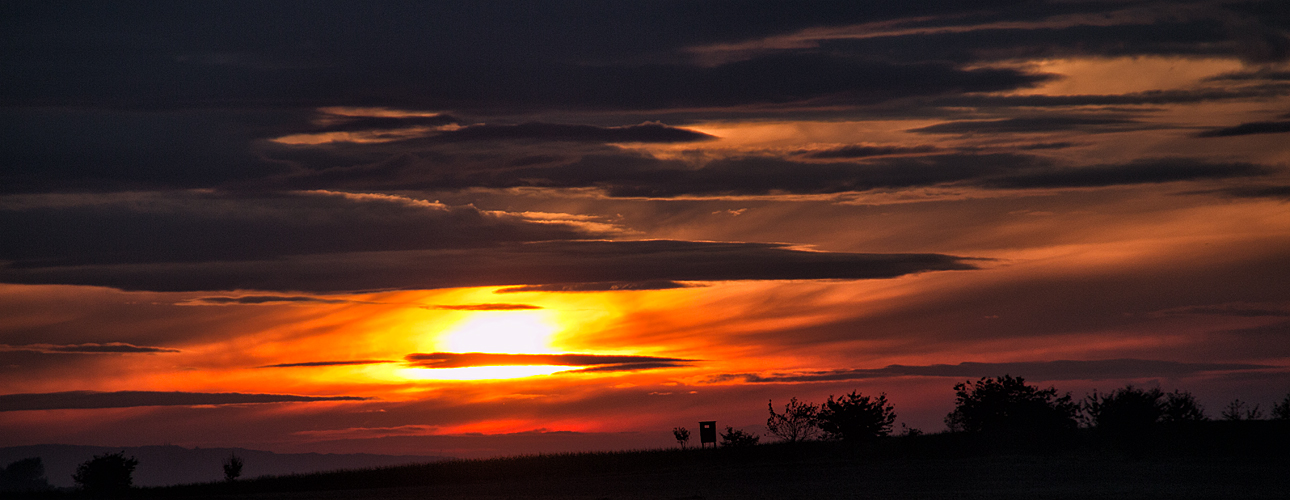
<point>1213,462</point>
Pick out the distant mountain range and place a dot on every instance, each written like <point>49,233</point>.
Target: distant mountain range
<point>166,465</point>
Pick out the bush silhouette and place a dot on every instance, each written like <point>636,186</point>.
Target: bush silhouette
<point>1281,411</point>
<point>1124,411</point>
<point>27,474</point>
<point>855,417</point>
<point>797,423</point>
<point>232,467</point>
<point>1008,407</point>
<point>735,438</point>
<point>682,435</point>
<point>1181,406</point>
<point>106,474</point>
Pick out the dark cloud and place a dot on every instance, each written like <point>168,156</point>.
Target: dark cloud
<point>329,363</point>
<point>485,307</point>
<point>266,299</point>
<point>533,263</point>
<point>1265,191</point>
<point>1204,31</point>
<point>628,367</point>
<point>1035,370</point>
<point>201,226</point>
<point>1262,74</point>
<point>1036,124</point>
<point>432,57</point>
<point>1249,129</point>
<point>127,399</point>
<point>645,132</point>
<point>344,123</point>
<point>1157,97</point>
<point>863,151</point>
<point>613,286</point>
<point>1242,309</point>
<point>90,348</point>
<point>634,175</point>
<point>1046,145</point>
<point>1145,171</point>
<point>596,361</point>
<point>61,149</point>
<point>763,175</point>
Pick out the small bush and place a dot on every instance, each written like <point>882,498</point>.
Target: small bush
<point>1124,411</point>
<point>1181,406</point>
<point>797,423</point>
<point>27,474</point>
<point>232,467</point>
<point>855,417</point>
<point>735,438</point>
<point>106,474</point>
<point>682,436</point>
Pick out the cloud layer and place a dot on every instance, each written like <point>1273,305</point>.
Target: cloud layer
<point>1034,370</point>
<point>126,399</point>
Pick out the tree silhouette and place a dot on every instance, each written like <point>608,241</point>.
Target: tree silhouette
<point>682,436</point>
<point>232,467</point>
<point>854,417</point>
<point>27,474</point>
<point>735,438</point>
<point>1181,406</point>
<point>797,423</point>
<point>1236,410</point>
<point>1124,411</point>
<point>1007,406</point>
<point>106,474</point>
<point>1281,411</point>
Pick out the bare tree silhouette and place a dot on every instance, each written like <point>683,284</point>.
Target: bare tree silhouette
<point>797,423</point>
<point>854,417</point>
<point>1281,410</point>
<point>682,436</point>
<point>1237,410</point>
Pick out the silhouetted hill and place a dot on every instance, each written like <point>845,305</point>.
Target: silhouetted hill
<point>166,465</point>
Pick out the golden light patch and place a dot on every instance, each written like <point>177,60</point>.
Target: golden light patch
<point>1124,75</point>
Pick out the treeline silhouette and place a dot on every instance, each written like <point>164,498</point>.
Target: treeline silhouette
<point>993,416</point>
<point>1007,414</point>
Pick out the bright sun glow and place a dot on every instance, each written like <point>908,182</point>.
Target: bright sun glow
<point>481,372</point>
<point>512,332</point>
<point>505,332</point>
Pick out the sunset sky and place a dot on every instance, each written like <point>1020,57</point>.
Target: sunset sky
<point>492,228</point>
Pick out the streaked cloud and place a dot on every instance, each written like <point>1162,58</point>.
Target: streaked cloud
<point>308,364</point>
<point>1251,128</point>
<point>1034,370</point>
<point>535,263</point>
<point>485,307</point>
<point>612,286</point>
<point>126,399</point>
<point>88,348</point>
<point>593,362</point>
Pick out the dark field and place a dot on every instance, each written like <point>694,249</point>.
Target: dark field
<point>1215,460</point>
<point>996,477</point>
